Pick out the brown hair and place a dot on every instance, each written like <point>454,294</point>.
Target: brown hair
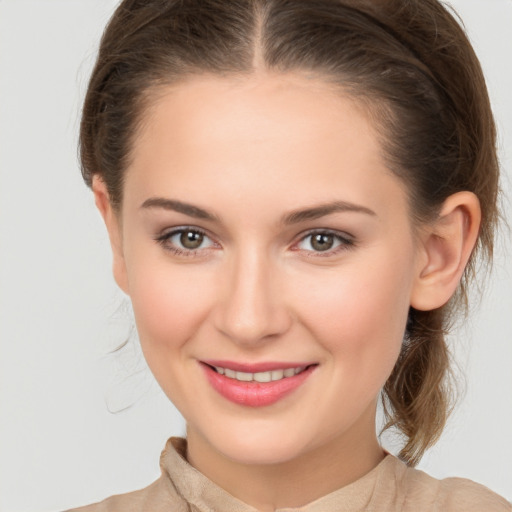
<point>408,61</point>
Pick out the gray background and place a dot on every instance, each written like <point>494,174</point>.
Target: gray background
<point>60,311</point>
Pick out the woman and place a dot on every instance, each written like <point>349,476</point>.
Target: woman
<point>297,194</point>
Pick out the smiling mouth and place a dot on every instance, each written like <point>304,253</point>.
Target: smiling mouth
<point>269,376</point>
<point>265,385</point>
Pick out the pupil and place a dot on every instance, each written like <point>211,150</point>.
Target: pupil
<point>191,239</point>
<point>322,242</point>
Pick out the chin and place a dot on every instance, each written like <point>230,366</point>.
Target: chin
<point>256,447</point>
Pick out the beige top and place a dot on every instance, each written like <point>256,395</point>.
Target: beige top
<point>389,487</point>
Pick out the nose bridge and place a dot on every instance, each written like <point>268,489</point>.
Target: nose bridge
<point>252,308</point>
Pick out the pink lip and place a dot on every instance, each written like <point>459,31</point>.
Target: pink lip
<point>254,394</point>
<point>255,367</point>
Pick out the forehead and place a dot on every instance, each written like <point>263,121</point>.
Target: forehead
<point>262,132</point>
<point>256,108</point>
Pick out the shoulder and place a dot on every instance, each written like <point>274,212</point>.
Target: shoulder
<point>420,491</point>
<point>468,496</point>
<point>160,496</point>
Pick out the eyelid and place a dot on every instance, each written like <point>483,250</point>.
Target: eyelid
<point>347,242</point>
<point>163,238</point>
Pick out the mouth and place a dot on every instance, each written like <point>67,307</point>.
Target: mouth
<point>268,376</point>
<point>256,385</point>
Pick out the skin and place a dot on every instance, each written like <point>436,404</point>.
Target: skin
<point>250,152</point>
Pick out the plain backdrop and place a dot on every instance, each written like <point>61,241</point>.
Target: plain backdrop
<point>61,444</point>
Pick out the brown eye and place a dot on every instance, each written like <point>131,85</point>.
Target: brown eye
<point>186,242</point>
<point>326,242</point>
<point>191,239</point>
<point>322,241</point>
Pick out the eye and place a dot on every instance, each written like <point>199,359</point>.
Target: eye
<point>189,239</point>
<point>324,242</point>
<point>185,240</point>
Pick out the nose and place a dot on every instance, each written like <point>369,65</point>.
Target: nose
<point>251,308</point>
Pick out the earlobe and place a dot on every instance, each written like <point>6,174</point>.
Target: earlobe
<point>111,219</point>
<point>447,245</point>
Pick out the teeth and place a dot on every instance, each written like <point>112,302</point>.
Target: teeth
<point>245,377</point>
<point>277,374</point>
<point>263,377</point>
<point>230,373</point>
<point>259,376</point>
<point>289,372</point>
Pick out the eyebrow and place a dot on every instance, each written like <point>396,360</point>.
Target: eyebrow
<point>322,210</point>
<point>294,217</point>
<point>180,207</point>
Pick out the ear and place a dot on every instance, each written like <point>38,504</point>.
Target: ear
<point>111,218</point>
<point>446,246</point>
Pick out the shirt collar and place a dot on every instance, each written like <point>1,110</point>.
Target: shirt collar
<point>206,496</point>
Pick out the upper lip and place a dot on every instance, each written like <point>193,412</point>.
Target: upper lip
<point>265,366</point>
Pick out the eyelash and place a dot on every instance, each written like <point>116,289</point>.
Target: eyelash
<point>164,241</point>
<point>346,242</point>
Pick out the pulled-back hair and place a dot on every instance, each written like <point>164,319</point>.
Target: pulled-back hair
<point>407,61</point>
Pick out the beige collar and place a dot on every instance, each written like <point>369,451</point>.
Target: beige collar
<point>206,496</point>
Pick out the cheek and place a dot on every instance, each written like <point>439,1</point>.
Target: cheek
<point>169,303</point>
<point>358,315</point>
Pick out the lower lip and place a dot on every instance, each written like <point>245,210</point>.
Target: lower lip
<point>255,394</point>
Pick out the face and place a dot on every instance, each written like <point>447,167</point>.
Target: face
<point>262,234</point>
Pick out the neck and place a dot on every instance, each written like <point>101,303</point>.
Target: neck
<point>296,482</point>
